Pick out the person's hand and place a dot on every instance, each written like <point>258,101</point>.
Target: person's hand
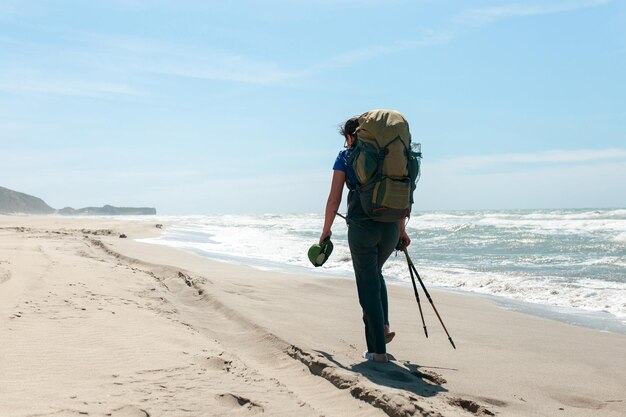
<point>324,236</point>
<point>404,239</point>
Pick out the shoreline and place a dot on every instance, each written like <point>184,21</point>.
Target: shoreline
<point>597,320</point>
<point>100,325</point>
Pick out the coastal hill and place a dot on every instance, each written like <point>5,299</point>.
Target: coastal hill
<point>14,202</point>
<point>108,210</point>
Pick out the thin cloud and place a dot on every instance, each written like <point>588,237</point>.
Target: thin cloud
<point>140,55</point>
<point>10,9</point>
<point>225,68</point>
<point>230,67</point>
<point>611,116</point>
<point>545,158</point>
<point>70,88</point>
<point>335,3</point>
<point>125,54</point>
<point>428,38</point>
<point>431,37</point>
<point>12,128</point>
<point>488,15</point>
<point>558,157</point>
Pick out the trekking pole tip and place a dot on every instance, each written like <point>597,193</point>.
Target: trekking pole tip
<point>451,342</point>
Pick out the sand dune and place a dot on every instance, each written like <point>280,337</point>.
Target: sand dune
<point>95,325</point>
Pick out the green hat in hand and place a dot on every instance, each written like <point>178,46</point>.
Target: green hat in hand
<point>318,253</point>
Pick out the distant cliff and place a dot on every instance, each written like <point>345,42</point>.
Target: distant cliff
<point>14,202</point>
<point>108,211</point>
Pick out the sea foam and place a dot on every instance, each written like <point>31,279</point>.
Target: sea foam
<point>564,258</point>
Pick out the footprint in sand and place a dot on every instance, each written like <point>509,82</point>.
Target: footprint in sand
<point>218,364</point>
<point>235,401</point>
<point>5,275</point>
<point>580,402</point>
<point>471,406</point>
<point>431,376</point>
<point>129,411</point>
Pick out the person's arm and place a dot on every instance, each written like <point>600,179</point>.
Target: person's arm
<point>333,202</point>
<point>404,237</point>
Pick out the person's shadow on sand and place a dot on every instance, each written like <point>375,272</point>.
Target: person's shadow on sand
<point>407,377</point>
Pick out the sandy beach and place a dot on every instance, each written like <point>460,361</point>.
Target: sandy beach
<point>92,324</point>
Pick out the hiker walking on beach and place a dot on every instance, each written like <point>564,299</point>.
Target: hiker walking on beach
<point>373,232</point>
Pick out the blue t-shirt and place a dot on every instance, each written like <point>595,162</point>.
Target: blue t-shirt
<point>341,164</point>
<point>355,212</point>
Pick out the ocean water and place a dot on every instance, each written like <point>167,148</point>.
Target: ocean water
<point>571,261</point>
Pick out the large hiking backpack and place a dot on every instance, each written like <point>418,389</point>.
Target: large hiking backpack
<point>385,164</point>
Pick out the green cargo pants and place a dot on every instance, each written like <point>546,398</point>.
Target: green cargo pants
<point>371,244</point>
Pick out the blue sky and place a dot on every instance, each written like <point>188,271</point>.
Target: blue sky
<point>233,107</point>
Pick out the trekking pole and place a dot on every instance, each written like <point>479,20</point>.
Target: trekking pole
<point>341,215</point>
<point>417,297</point>
<point>412,266</point>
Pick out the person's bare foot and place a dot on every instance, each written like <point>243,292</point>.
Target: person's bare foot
<point>389,335</point>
